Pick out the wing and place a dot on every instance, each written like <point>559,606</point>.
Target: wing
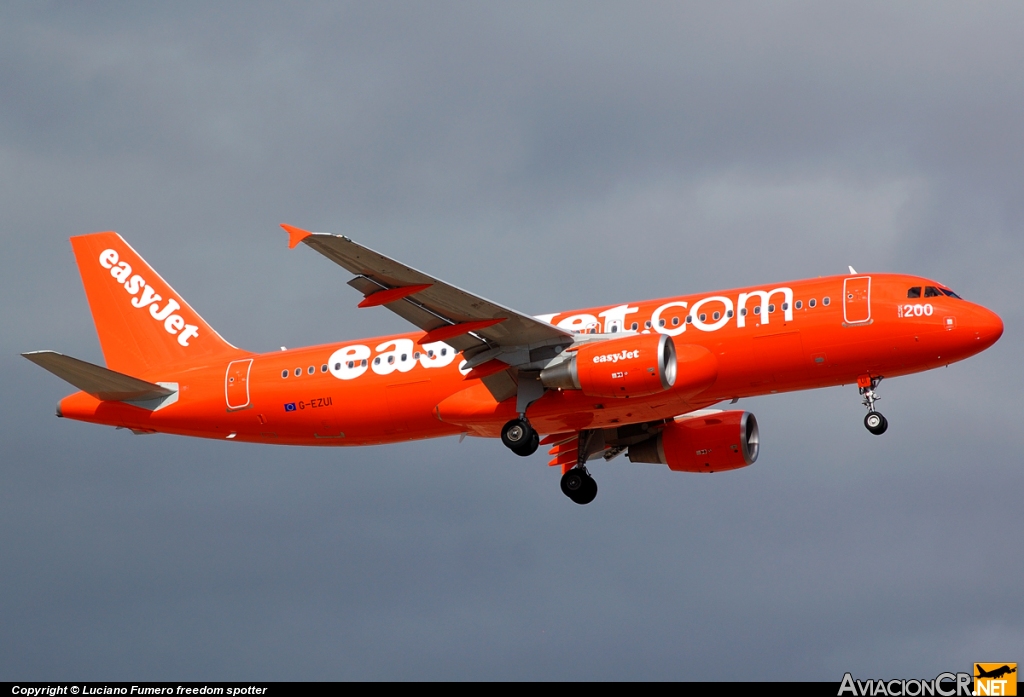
<point>483,330</point>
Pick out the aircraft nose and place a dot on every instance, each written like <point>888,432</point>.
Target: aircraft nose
<point>988,326</point>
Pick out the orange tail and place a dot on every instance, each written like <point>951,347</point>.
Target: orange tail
<point>142,323</point>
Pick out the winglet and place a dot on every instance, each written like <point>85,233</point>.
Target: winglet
<point>295,234</point>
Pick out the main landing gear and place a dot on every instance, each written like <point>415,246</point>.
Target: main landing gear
<point>519,437</point>
<point>874,421</point>
<point>576,482</point>
<point>579,486</point>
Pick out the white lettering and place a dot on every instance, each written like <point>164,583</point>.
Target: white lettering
<point>656,319</point>
<point>717,324</point>
<point>108,257</point>
<point>135,284</point>
<point>161,315</point>
<point>387,362</point>
<point>437,355</point>
<point>741,304</point>
<point>174,324</point>
<point>121,272</point>
<point>190,331</point>
<point>349,362</point>
<point>148,296</point>
<point>615,318</point>
<point>847,685</point>
<point>578,323</point>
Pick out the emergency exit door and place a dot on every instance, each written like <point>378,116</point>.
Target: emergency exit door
<point>236,384</point>
<point>857,300</point>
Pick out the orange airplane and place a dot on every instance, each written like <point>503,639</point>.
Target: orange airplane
<point>636,378</point>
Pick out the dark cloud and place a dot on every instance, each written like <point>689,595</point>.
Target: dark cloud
<point>549,157</point>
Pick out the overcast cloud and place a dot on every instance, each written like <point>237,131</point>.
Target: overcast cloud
<point>547,156</point>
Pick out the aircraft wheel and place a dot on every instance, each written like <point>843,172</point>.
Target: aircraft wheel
<point>579,486</point>
<point>876,423</point>
<point>528,448</point>
<point>518,434</point>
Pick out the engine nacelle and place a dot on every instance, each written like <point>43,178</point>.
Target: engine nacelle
<point>712,442</point>
<point>633,366</point>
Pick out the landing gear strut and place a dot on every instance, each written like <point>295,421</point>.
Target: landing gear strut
<point>520,437</point>
<point>874,421</point>
<point>577,483</point>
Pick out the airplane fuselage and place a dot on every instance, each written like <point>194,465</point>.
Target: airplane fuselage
<point>768,339</point>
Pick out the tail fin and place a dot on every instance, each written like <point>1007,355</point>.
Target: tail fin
<point>142,323</point>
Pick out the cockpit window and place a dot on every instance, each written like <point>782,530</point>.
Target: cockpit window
<point>932,292</point>
<point>947,291</point>
<point>914,292</point>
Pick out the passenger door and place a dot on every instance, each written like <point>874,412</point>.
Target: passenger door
<point>236,384</point>
<point>857,300</point>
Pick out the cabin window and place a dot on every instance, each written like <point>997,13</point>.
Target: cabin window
<point>914,292</point>
<point>298,372</point>
<point>932,292</point>
<point>661,323</point>
<point>785,306</point>
<point>323,368</point>
<point>430,353</point>
<point>799,304</point>
<point>812,303</point>
<point>391,360</point>
<point>757,309</point>
<point>675,321</point>
<point>634,326</point>
<point>689,319</point>
<point>376,361</point>
<point>284,373</point>
<point>743,312</point>
<point>703,317</point>
<point>351,364</point>
<point>826,300</point>
<point>337,366</point>
<point>716,315</point>
<point>405,356</point>
<point>728,313</point>
<point>311,370</point>
<point>364,362</point>
<point>771,308</point>
<point>416,356</point>
<point>647,324</point>
<point>950,293</point>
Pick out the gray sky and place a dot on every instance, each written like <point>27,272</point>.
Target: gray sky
<point>547,156</point>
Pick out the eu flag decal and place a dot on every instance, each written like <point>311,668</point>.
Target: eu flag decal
<point>290,406</point>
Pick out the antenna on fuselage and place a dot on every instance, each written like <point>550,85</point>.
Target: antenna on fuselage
<point>853,272</point>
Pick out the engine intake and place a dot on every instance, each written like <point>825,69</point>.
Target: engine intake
<point>713,442</point>
<point>633,366</point>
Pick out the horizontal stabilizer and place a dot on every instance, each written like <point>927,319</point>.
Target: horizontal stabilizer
<point>101,383</point>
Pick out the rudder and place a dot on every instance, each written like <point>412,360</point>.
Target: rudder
<point>141,321</point>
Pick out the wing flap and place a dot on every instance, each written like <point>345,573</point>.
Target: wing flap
<point>102,383</point>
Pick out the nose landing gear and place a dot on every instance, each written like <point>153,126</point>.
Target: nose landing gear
<point>520,437</point>
<point>874,421</point>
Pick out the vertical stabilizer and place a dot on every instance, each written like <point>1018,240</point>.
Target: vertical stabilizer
<point>142,322</point>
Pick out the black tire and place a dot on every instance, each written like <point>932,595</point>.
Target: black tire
<point>573,482</point>
<point>579,486</point>
<point>517,433</point>
<point>529,448</point>
<point>588,494</point>
<point>875,423</point>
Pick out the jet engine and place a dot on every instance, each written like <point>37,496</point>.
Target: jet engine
<point>711,442</point>
<point>633,366</point>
